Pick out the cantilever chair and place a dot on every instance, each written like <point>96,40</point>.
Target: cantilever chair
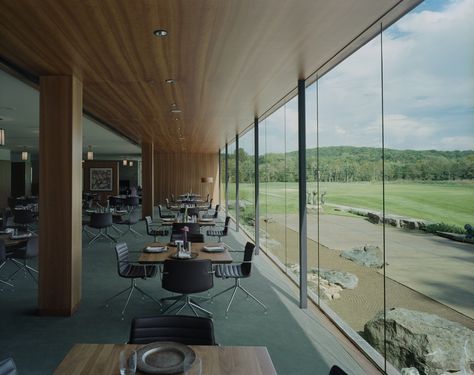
<point>237,272</point>
<point>336,370</point>
<point>152,231</point>
<point>131,271</point>
<point>24,218</point>
<point>20,258</point>
<point>213,215</point>
<point>165,215</point>
<point>101,221</point>
<point>132,202</point>
<point>194,234</point>
<point>188,330</point>
<point>187,277</point>
<point>3,261</point>
<point>8,367</point>
<point>220,232</point>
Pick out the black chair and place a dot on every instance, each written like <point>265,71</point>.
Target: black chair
<point>8,367</point>
<point>21,255</point>
<point>132,202</point>
<point>336,370</point>
<point>237,272</point>
<point>163,214</point>
<point>152,231</point>
<point>187,277</point>
<point>24,218</point>
<point>220,232</point>
<point>3,261</point>
<point>194,234</point>
<point>131,271</point>
<point>101,221</point>
<point>188,330</point>
<point>133,218</point>
<point>214,215</point>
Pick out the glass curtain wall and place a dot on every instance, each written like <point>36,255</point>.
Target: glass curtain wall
<point>232,178</point>
<point>247,182</point>
<point>222,173</point>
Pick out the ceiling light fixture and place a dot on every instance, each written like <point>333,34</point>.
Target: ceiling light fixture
<point>170,81</point>
<point>24,155</point>
<point>176,110</point>
<point>2,137</point>
<point>173,104</point>
<point>160,33</point>
<point>90,154</point>
<point>130,163</point>
<point>124,162</point>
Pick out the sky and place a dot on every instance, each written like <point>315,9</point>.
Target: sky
<point>428,86</point>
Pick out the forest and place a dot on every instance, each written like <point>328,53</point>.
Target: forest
<point>356,164</point>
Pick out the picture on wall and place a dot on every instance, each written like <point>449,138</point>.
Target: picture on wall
<point>100,179</point>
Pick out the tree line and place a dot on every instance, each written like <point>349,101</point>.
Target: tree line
<point>357,164</point>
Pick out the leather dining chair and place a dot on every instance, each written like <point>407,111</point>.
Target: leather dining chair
<point>220,232</point>
<point>133,218</point>
<point>154,231</point>
<point>131,271</point>
<point>214,215</point>
<point>163,214</point>
<point>101,221</point>
<point>24,218</point>
<point>336,370</point>
<point>194,234</point>
<point>21,255</point>
<point>188,330</point>
<point>8,367</point>
<point>237,272</point>
<point>132,202</point>
<point>187,277</point>
<point>3,261</point>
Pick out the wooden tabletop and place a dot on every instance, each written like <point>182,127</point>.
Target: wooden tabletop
<point>215,360</point>
<point>154,258</point>
<point>201,223</point>
<point>12,243</point>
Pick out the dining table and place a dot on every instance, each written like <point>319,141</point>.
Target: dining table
<point>198,248</point>
<point>13,243</point>
<point>213,360</point>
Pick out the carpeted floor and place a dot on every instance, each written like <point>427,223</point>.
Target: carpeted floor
<point>297,341</point>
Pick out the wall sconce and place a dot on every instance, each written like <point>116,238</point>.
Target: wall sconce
<point>90,154</point>
<point>2,137</point>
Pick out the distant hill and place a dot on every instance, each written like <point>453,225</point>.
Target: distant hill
<point>352,164</point>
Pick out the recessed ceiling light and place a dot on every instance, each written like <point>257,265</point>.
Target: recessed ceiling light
<point>176,119</point>
<point>173,104</point>
<point>160,32</point>
<point>169,80</point>
<point>176,110</point>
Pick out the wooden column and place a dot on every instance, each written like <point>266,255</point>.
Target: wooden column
<point>148,189</point>
<point>60,235</point>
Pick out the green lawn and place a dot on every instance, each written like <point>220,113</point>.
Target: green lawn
<point>448,202</point>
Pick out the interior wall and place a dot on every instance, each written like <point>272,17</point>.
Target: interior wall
<point>179,173</point>
<point>5,178</point>
<point>102,195</point>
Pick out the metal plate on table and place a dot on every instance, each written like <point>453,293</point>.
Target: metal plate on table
<point>176,256</point>
<point>165,358</point>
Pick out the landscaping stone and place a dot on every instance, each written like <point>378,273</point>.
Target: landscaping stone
<point>431,344</point>
<point>344,279</point>
<point>368,256</point>
<point>328,290</point>
<point>409,371</point>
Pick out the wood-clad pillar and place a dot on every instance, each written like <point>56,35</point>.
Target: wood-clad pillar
<point>60,235</point>
<point>148,188</point>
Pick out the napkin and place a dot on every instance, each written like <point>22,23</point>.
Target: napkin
<point>183,255</point>
<point>213,249</point>
<point>155,249</point>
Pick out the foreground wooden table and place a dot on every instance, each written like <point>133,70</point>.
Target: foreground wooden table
<point>229,360</point>
<point>156,258</point>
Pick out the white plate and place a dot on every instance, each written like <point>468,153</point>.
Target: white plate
<point>155,249</point>
<point>213,249</point>
<point>165,358</point>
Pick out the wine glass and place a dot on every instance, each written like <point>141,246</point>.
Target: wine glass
<point>128,362</point>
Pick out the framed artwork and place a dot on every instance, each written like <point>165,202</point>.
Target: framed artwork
<point>100,179</point>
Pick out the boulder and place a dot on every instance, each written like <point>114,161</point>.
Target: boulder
<point>374,218</point>
<point>344,279</point>
<point>431,344</point>
<point>409,371</point>
<point>368,256</point>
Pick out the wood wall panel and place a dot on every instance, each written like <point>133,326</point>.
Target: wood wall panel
<point>60,234</point>
<point>5,177</point>
<point>148,192</point>
<point>178,173</point>
<point>101,195</point>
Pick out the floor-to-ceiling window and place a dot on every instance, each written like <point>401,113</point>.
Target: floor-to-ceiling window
<point>232,183</point>
<point>247,182</point>
<point>222,176</point>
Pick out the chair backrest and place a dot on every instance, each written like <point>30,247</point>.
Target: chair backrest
<point>132,201</point>
<point>101,220</point>
<point>188,330</point>
<point>191,237</point>
<point>167,203</point>
<point>210,204</point>
<point>187,276</point>
<point>8,367</point>
<point>208,195</point>
<point>123,263</point>
<point>193,211</point>
<point>23,216</point>
<point>160,210</point>
<point>226,225</point>
<point>149,223</point>
<point>336,370</point>
<point>248,254</point>
<point>173,199</point>
<point>217,211</point>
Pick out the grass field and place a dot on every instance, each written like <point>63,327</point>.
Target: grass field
<point>448,202</point>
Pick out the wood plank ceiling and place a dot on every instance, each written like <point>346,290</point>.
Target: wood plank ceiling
<point>231,59</point>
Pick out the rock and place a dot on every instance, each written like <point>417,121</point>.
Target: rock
<point>329,291</point>
<point>345,279</point>
<point>368,256</point>
<point>374,218</point>
<point>409,371</point>
<point>431,344</point>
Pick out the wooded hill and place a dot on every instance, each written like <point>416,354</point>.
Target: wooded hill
<point>353,164</point>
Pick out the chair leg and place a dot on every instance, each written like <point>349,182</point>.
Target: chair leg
<point>168,308</point>
<point>128,300</point>
<point>253,297</point>
<point>231,300</point>
<point>115,295</point>
<point>150,297</point>
<point>191,304</point>
<point>135,232</point>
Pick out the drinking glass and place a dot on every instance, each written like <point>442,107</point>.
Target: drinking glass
<point>128,362</point>
<point>196,368</point>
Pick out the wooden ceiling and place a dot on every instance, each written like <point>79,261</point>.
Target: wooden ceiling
<point>231,59</point>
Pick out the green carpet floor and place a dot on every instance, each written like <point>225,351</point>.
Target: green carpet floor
<point>297,341</point>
